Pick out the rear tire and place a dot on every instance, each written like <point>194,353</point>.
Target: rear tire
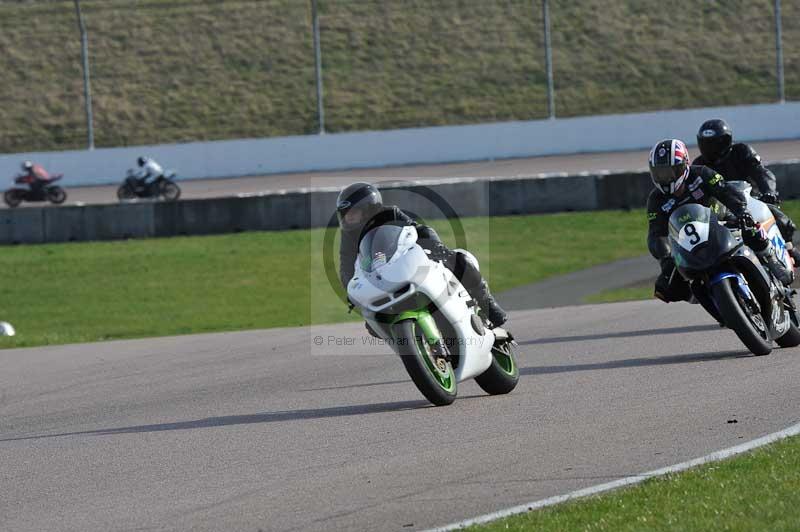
<point>792,337</point>
<point>437,383</point>
<point>736,318</point>
<point>12,197</point>
<point>56,195</point>
<point>503,375</point>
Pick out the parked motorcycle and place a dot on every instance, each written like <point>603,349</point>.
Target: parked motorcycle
<point>47,191</point>
<point>727,277</point>
<point>164,187</point>
<point>421,310</point>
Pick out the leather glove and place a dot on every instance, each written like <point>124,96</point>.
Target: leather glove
<point>746,222</point>
<point>770,198</point>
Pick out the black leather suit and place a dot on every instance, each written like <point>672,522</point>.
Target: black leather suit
<point>742,163</point>
<point>701,186</point>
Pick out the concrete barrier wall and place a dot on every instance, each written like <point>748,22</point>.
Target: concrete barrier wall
<point>233,158</point>
<point>300,210</point>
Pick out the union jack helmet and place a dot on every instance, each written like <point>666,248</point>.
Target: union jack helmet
<point>669,165</point>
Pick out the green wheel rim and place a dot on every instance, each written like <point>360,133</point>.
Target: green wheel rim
<point>446,380</point>
<point>505,361</point>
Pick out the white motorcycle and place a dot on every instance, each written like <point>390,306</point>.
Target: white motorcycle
<point>421,310</point>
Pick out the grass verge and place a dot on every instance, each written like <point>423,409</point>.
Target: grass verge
<point>756,491</point>
<point>82,292</point>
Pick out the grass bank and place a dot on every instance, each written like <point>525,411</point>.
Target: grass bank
<point>182,70</point>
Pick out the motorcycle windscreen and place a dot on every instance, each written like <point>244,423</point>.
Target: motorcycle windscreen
<point>697,239</point>
<point>378,246</point>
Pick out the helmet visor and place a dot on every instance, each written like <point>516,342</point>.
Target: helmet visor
<point>714,147</point>
<point>353,217</point>
<point>666,175</point>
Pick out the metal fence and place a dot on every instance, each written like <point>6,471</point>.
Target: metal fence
<point>123,72</point>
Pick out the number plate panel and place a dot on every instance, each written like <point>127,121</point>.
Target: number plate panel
<point>692,235</point>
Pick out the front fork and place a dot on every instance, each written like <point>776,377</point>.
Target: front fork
<point>425,321</point>
<point>741,285</point>
<point>430,331</point>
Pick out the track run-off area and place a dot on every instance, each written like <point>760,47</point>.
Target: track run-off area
<point>317,428</point>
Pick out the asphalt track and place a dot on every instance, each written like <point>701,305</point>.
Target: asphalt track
<point>570,164</point>
<point>264,430</point>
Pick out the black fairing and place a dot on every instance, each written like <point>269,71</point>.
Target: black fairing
<point>720,244</point>
<point>722,252</point>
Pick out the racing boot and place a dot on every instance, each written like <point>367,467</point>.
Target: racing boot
<point>794,253</point>
<point>486,301</point>
<point>769,257</point>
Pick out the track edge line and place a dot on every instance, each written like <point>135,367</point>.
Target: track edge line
<point>627,481</point>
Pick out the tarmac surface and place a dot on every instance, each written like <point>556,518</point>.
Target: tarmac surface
<point>570,164</point>
<point>316,429</point>
<point>574,288</point>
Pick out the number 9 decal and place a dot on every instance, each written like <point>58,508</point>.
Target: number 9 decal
<point>691,232</point>
<point>692,235</point>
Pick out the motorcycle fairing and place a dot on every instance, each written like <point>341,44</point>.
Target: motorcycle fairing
<point>697,241</point>
<point>403,276</point>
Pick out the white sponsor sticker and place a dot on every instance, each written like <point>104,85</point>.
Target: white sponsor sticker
<point>692,235</point>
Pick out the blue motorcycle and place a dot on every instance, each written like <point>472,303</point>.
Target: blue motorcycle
<point>728,279</point>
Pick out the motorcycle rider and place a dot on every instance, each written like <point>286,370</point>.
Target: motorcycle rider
<point>149,170</point>
<point>360,209</point>
<point>35,176</point>
<point>678,183</point>
<point>739,161</point>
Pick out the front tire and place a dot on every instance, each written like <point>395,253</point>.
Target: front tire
<point>12,197</point>
<point>750,328</point>
<point>433,376</point>
<point>124,193</point>
<point>170,191</point>
<point>56,195</point>
<point>503,375</point>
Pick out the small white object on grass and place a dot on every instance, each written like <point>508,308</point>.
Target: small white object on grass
<point>6,329</point>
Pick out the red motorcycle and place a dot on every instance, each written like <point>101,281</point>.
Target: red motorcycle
<point>40,190</point>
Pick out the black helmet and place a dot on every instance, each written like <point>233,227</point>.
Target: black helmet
<point>356,204</point>
<point>141,161</point>
<point>714,139</point>
<point>669,165</point>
